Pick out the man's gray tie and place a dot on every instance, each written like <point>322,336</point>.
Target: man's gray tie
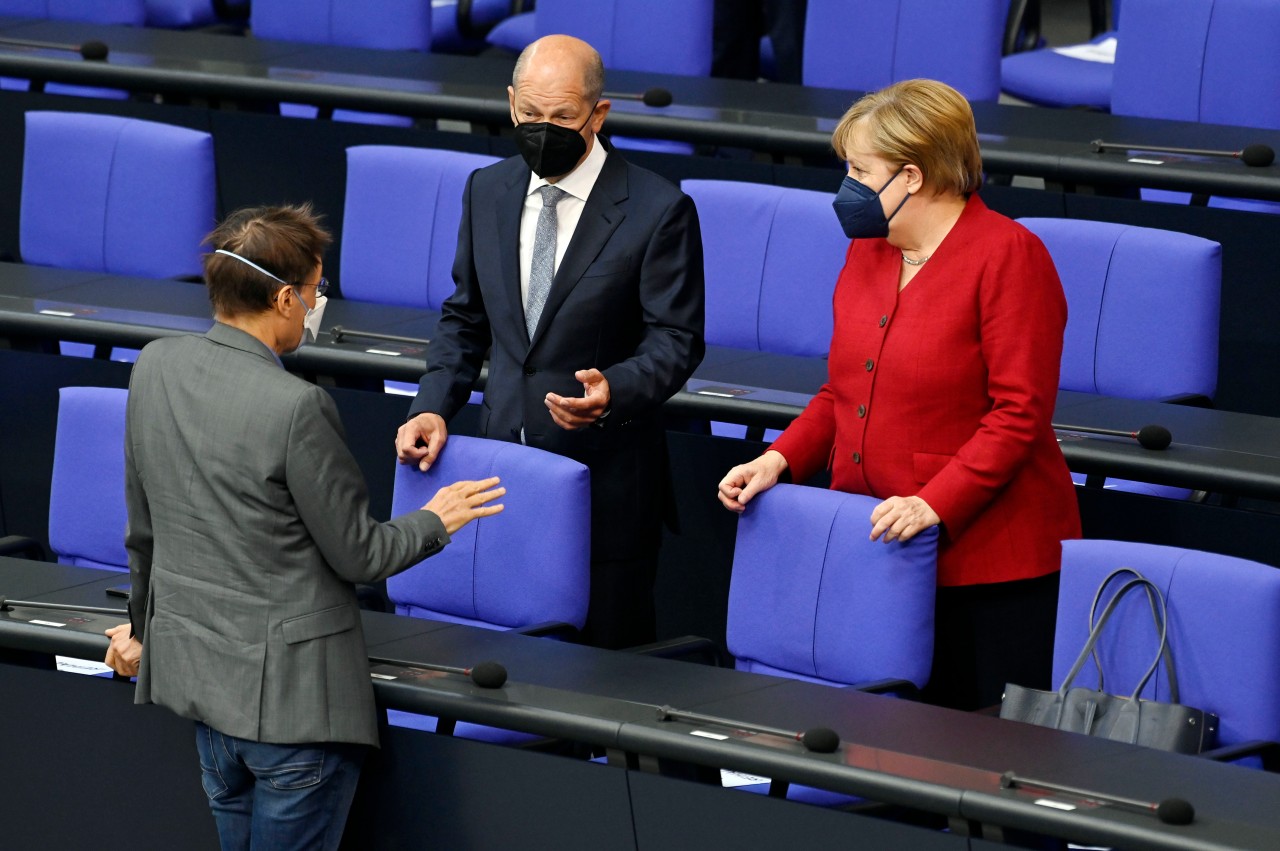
<point>543,267</point>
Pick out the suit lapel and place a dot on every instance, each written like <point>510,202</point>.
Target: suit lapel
<point>601,216</point>
<point>507,235</point>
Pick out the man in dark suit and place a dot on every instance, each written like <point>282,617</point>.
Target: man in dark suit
<point>248,525</point>
<point>581,276</point>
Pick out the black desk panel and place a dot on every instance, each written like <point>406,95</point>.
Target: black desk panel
<point>777,118</point>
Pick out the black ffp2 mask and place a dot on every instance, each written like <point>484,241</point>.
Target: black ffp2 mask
<point>550,149</point>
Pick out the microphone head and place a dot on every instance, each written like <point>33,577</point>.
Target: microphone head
<point>4,605</point>
<point>489,675</point>
<point>1258,155</point>
<point>820,740</point>
<point>662,97</point>
<point>1154,437</point>
<point>1008,780</point>
<point>96,51</point>
<point>1175,811</point>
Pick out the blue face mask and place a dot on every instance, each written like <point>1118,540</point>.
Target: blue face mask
<point>859,209</point>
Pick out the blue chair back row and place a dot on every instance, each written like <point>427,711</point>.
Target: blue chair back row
<point>772,255</point>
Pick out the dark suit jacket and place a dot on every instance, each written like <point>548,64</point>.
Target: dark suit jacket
<point>627,299</point>
<point>248,524</point>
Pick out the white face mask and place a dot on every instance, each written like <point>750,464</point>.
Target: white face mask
<point>311,322</point>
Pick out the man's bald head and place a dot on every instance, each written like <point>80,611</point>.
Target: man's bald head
<point>570,61</point>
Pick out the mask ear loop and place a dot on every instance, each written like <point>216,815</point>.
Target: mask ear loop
<point>904,197</point>
<point>251,263</point>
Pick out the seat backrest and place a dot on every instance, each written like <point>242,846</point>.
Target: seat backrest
<point>813,598</point>
<point>400,223</point>
<point>86,496</point>
<point>867,47</point>
<point>1212,61</point>
<point>129,12</point>
<point>180,13</point>
<point>772,255</point>
<point>115,195</point>
<point>663,36</point>
<point>1142,308</point>
<point>1224,630</point>
<point>526,565</point>
<point>380,24</point>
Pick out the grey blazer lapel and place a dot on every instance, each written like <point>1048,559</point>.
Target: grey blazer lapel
<point>601,216</point>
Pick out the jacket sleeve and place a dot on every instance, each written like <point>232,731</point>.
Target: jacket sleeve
<point>1022,314</point>
<point>138,541</point>
<point>333,502</point>
<point>463,336</point>
<point>672,304</point>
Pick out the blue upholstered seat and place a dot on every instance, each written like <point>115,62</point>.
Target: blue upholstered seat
<point>1142,313</point>
<point>869,46</point>
<point>527,566</point>
<point>1224,631</point>
<point>400,224</point>
<point>115,195</point>
<point>87,514</point>
<point>813,598</point>
<point>1211,61</point>
<point>378,24</point>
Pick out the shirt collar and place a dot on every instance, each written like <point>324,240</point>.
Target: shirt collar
<point>580,181</point>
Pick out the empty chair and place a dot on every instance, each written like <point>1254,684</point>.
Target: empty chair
<point>868,46</point>
<point>1074,75</point>
<point>813,598</point>
<point>526,569</point>
<point>459,26</point>
<point>772,255</point>
<point>380,24</point>
<point>87,514</point>
<point>1223,626</point>
<point>663,36</point>
<point>1142,312</point>
<point>1211,61</point>
<point>116,195</point>
<point>400,223</point>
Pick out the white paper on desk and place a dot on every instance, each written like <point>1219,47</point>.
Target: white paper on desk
<point>730,779</point>
<point>69,665</point>
<point>1104,51</point>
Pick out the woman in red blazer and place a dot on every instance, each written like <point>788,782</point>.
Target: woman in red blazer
<point>943,373</point>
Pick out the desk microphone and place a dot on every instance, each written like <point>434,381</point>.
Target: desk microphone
<point>649,97</point>
<point>1169,811</point>
<point>485,675</point>
<point>337,332</point>
<point>1149,436</point>
<point>816,739</point>
<point>6,605</point>
<point>94,50</point>
<point>1250,155</point>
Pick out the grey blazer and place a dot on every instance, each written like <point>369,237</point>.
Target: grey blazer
<point>248,524</point>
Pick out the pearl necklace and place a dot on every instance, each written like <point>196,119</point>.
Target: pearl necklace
<point>920,262</point>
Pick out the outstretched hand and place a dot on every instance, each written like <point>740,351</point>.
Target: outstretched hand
<point>461,502</point>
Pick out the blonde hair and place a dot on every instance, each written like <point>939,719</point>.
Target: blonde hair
<point>922,122</point>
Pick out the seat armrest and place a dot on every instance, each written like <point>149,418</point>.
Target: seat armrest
<point>549,629</point>
<point>685,648</point>
<point>20,545</point>
<point>1269,751</point>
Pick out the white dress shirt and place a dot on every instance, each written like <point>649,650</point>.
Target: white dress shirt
<point>578,184</point>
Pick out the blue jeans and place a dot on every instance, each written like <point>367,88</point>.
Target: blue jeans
<point>277,797</point>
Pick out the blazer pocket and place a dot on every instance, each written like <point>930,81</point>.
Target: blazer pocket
<point>926,465</point>
<point>612,266</point>
<point>319,624</point>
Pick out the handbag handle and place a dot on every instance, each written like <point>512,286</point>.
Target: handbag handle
<point>1156,614</point>
<point>1096,633</point>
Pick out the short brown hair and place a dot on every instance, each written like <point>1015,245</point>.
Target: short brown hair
<point>922,122</point>
<point>287,241</point>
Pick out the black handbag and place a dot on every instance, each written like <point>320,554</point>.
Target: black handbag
<point>1165,726</point>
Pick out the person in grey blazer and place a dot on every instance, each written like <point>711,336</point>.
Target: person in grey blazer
<point>248,525</point>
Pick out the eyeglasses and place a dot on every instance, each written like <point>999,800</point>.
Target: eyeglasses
<point>322,286</point>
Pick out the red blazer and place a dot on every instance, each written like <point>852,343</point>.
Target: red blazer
<point>946,390</point>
